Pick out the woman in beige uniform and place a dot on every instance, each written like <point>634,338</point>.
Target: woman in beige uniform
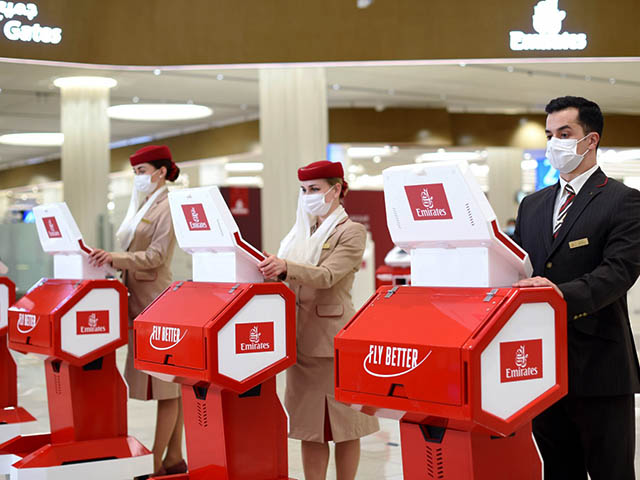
<point>319,258</point>
<point>147,236</point>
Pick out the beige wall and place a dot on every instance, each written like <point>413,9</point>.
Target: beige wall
<point>170,32</point>
<point>430,127</point>
<point>239,138</point>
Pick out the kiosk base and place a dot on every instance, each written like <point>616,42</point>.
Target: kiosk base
<point>88,439</point>
<point>233,436</point>
<point>33,457</point>
<point>439,453</point>
<point>16,421</point>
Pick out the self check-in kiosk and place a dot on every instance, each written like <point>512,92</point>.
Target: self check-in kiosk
<point>75,322</point>
<point>396,269</point>
<point>14,420</point>
<point>224,336</point>
<point>463,360</point>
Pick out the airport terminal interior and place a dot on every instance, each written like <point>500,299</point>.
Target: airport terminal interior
<point>244,117</point>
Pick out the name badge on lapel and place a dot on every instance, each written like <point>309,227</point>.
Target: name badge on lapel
<point>583,242</point>
<point>326,246</point>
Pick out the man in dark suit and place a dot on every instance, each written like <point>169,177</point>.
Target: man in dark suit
<point>583,237</point>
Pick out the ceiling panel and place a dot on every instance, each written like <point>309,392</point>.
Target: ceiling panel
<point>30,102</point>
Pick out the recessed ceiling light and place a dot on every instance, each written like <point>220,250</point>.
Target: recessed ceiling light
<point>243,167</point>
<point>34,139</point>
<point>244,181</point>
<point>443,155</point>
<point>369,152</point>
<point>158,112</point>
<point>157,71</point>
<point>95,82</point>
<point>220,77</point>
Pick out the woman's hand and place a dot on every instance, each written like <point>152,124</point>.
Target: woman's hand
<point>99,257</point>
<point>272,266</point>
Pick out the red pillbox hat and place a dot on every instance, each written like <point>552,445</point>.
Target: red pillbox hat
<point>149,154</point>
<point>322,169</point>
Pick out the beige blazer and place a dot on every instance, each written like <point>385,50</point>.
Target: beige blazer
<point>146,264</point>
<point>323,292</point>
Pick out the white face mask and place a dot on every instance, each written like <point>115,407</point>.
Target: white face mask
<point>315,205</point>
<point>143,183</point>
<point>563,153</point>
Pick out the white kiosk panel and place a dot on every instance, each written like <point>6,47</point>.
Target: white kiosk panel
<point>59,235</point>
<point>206,229</point>
<point>438,212</point>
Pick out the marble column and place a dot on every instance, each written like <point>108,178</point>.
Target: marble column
<point>293,133</point>
<point>85,152</point>
<point>505,180</point>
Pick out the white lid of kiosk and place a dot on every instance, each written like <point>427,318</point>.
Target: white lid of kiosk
<point>438,212</point>
<point>206,229</point>
<point>59,235</point>
<point>57,229</point>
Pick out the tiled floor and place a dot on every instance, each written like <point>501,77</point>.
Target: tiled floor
<point>381,456</point>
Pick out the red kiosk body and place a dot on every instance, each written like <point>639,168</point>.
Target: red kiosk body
<point>224,337</point>
<point>75,324</point>
<point>463,368</point>
<point>14,420</point>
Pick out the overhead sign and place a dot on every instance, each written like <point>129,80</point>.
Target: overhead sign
<point>15,17</point>
<point>547,21</point>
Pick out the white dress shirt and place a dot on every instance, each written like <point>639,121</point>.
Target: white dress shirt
<point>577,183</point>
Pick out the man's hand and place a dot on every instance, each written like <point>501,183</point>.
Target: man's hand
<point>99,257</point>
<point>272,266</point>
<point>538,282</point>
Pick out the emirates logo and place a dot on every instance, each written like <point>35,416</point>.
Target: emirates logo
<point>520,360</point>
<point>521,357</point>
<point>51,227</point>
<point>92,322</point>
<point>195,217</point>
<point>254,335</point>
<point>427,200</point>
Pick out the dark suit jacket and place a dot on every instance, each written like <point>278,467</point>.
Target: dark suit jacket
<point>594,277</point>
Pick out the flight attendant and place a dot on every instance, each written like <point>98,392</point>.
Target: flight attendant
<point>147,238</point>
<point>319,258</point>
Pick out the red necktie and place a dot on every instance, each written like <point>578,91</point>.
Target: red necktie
<point>562,213</point>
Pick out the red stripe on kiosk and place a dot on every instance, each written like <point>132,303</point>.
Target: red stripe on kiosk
<point>467,359</point>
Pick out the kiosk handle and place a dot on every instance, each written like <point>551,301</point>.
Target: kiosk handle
<point>110,271</point>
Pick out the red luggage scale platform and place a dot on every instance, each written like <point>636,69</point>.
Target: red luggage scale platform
<point>75,324</point>
<point>14,420</point>
<point>224,337</point>
<point>460,358</point>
